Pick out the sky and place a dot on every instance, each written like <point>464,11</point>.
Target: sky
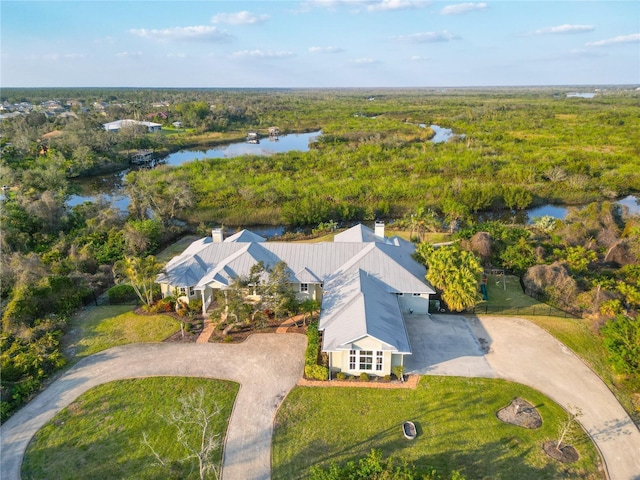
<point>318,43</point>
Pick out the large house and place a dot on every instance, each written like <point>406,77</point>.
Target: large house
<point>120,124</point>
<point>363,280</point>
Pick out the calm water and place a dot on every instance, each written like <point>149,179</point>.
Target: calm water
<point>111,187</point>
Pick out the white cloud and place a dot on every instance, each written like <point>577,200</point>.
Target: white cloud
<point>428,37</point>
<point>461,8</point>
<point>325,50</point>
<point>239,18</point>
<point>566,28</point>
<point>262,54</point>
<point>176,55</point>
<point>365,61</point>
<point>418,58</point>
<point>129,54</point>
<point>385,5</point>
<point>634,37</point>
<point>195,33</point>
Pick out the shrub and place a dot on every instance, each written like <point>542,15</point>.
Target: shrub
<point>316,372</point>
<point>313,344</point>
<point>364,377</point>
<point>387,378</point>
<point>341,376</point>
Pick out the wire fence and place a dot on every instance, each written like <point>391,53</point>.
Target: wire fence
<point>537,310</point>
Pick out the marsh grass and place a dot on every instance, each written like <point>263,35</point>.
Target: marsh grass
<point>99,436</point>
<point>99,328</point>
<point>457,430</point>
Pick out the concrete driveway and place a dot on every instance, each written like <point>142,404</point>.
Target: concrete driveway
<point>267,366</point>
<point>444,345</point>
<point>518,350</point>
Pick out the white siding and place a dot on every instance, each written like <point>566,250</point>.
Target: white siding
<point>409,302</point>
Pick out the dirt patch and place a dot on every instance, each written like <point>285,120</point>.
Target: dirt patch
<point>521,413</point>
<point>564,454</point>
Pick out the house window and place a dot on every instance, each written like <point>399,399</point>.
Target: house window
<point>352,359</point>
<point>182,291</point>
<point>366,360</point>
<point>416,294</point>
<point>192,291</point>
<point>304,287</point>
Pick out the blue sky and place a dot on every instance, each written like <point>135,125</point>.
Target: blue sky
<point>318,43</point>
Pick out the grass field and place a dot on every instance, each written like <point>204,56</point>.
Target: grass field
<point>100,435</point>
<point>99,328</point>
<point>176,248</point>
<point>457,430</point>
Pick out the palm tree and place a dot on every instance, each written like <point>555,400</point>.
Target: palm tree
<point>140,273</point>
<point>454,271</point>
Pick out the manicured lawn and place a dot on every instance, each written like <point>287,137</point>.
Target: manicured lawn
<point>99,436</point>
<point>176,248</point>
<point>505,296</point>
<point>457,430</point>
<point>99,328</point>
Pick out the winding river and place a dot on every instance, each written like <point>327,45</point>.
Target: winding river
<point>111,187</point>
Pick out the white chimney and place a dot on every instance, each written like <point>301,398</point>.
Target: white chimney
<point>217,234</point>
<point>379,230</point>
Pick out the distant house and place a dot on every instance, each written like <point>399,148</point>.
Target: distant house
<point>119,124</point>
<point>364,281</point>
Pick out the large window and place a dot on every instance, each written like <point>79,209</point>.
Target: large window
<point>364,360</point>
<point>304,287</point>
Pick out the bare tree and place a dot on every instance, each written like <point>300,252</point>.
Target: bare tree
<point>194,423</point>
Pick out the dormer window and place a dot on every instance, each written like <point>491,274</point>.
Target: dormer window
<point>304,287</point>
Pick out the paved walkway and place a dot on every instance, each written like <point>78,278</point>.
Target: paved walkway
<point>267,366</point>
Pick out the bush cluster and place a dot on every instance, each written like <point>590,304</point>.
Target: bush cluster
<point>122,293</point>
<point>316,372</point>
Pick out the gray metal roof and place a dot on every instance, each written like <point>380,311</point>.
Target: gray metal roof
<point>204,260</point>
<point>357,305</point>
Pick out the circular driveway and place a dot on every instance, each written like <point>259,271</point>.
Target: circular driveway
<point>517,350</point>
<point>267,366</point>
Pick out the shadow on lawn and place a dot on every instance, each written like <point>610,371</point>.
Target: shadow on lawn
<point>491,460</point>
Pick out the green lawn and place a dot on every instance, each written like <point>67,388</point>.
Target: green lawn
<point>576,334</point>
<point>99,328</point>
<point>457,430</point>
<point>176,248</point>
<point>99,436</point>
<point>505,296</point>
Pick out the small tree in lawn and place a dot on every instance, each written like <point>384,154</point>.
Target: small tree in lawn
<point>194,421</point>
<point>566,427</point>
<point>140,273</point>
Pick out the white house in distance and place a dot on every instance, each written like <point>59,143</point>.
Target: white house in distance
<point>363,280</point>
<point>119,124</point>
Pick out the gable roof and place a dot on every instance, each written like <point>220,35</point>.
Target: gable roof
<point>358,305</point>
<point>204,259</point>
